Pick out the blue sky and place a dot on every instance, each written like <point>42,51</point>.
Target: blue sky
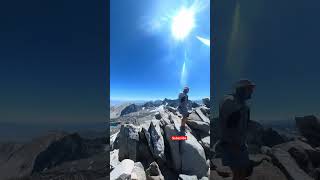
<point>146,60</point>
<point>52,61</point>
<point>275,44</point>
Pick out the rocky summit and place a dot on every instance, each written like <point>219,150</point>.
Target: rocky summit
<point>145,150</point>
<point>273,155</point>
<point>56,155</point>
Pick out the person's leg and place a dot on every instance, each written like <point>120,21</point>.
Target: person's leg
<point>243,174</point>
<point>239,173</point>
<point>184,121</point>
<point>183,124</point>
<point>235,174</point>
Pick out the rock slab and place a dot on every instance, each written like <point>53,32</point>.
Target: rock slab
<point>123,170</point>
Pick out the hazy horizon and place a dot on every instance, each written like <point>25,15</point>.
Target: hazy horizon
<point>27,131</point>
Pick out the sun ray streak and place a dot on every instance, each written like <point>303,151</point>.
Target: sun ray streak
<point>204,41</point>
<point>183,80</point>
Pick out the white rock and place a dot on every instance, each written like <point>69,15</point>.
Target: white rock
<point>123,170</point>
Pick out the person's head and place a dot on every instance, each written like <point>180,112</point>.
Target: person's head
<point>186,89</point>
<point>244,89</point>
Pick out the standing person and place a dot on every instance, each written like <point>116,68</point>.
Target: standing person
<point>183,107</point>
<point>234,115</point>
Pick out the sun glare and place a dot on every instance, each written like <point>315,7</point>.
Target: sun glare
<point>182,24</point>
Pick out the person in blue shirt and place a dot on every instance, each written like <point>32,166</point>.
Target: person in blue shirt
<point>183,107</point>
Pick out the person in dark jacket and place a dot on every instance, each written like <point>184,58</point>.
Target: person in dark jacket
<point>234,115</point>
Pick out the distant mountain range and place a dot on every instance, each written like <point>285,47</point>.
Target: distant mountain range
<point>119,102</point>
<point>64,155</point>
<point>121,109</point>
<point>22,132</point>
<point>139,102</point>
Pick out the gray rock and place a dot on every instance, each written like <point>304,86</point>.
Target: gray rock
<point>228,178</point>
<point>316,174</point>
<point>193,116</point>
<point>153,172</point>
<point>215,176</point>
<point>164,122</point>
<point>303,146</point>
<point>164,113</point>
<point>222,170</point>
<point>151,104</point>
<point>168,172</point>
<point>288,165</point>
<point>187,177</point>
<point>193,159</point>
<point>267,171</point>
<point>202,116</point>
<point>199,125</point>
<point>114,158</point>
<point>301,138</point>
<point>138,172</point>
<point>205,143</point>
<point>144,154</point>
<point>130,109</point>
<point>128,142</point>
<point>271,137</point>
<point>147,135</point>
<point>306,156</point>
<point>194,105</point>
<point>155,140</point>
<point>171,109</point>
<point>258,136</point>
<point>123,170</point>
<point>204,178</point>
<point>176,121</point>
<point>173,146</point>
<point>309,127</point>
<point>40,154</point>
<point>205,110</point>
<point>171,102</point>
<point>164,118</point>
<point>266,150</point>
<point>206,102</point>
<point>158,115</point>
<point>187,156</point>
<point>257,159</point>
<point>116,111</point>
<point>114,141</point>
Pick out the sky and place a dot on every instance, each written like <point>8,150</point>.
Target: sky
<point>147,59</point>
<point>53,61</point>
<point>276,45</point>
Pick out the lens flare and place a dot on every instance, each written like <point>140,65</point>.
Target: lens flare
<point>183,23</point>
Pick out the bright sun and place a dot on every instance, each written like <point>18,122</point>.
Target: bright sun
<point>182,24</point>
